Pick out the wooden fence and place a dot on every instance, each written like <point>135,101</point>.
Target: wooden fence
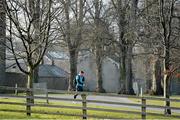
<point>84,101</point>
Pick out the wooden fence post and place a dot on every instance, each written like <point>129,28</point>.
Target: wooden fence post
<point>143,108</point>
<point>167,110</point>
<point>84,105</point>
<point>28,102</point>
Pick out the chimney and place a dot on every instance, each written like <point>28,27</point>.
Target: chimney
<point>52,62</point>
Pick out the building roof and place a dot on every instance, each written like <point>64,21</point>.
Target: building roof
<point>57,55</point>
<point>52,71</point>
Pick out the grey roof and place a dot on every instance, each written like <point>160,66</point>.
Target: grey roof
<point>57,55</point>
<point>52,71</point>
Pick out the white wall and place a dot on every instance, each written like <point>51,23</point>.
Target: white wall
<point>110,73</point>
<point>111,76</point>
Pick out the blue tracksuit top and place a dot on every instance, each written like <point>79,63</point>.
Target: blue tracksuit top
<point>80,80</point>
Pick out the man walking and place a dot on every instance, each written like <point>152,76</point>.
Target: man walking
<point>79,82</point>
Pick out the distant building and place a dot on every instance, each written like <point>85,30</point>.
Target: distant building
<point>110,73</point>
<point>54,76</point>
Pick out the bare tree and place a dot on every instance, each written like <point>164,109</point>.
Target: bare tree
<point>163,37</point>
<point>149,39</point>
<point>22,16</point>
<point>120,11</point>
<point>71,30</point>
<point>131,41</point>
<point>125,42</point>
<point>34,7</point>
<point>100,37</point>
<point>98,46</point>
<point>166,16</point>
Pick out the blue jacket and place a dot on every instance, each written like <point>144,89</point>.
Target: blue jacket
<point>80,80</point>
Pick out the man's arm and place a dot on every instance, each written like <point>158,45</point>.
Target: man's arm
<point>83,80</point>
<point>77,79</point>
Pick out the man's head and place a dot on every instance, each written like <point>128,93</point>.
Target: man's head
<point>81,73</point>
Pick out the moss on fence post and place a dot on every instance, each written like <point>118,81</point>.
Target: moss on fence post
<point>84,105</point>
<point>143,108</point>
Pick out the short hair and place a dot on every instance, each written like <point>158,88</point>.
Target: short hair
<point>81,71</point>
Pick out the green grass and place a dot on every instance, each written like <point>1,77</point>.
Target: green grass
<point>158,102</point>
<point>10,115</point>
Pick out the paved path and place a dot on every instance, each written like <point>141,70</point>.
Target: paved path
<point>112,99</point>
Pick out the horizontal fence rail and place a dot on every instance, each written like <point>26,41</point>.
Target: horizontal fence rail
<point>142,106</point>
<point>90,93</point>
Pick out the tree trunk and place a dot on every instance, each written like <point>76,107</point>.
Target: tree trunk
<point>167,75</point>
<point>148,74</point>
<point>73,68</point>
<point>130,42</point>
<point>129,76</point>
<point>99,87</point>
<point>28,92</point>
<point>122,64</point>
<point>156,83</point>
<point>99,49</point>
<point>36,75</point>
<point>166,15</point>
<point>122,46</point>
<point>72,47</point>
<point>2,41</point>
<point>35,12</point>
<point>167,111</point>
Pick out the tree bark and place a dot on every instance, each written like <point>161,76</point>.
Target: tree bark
<point>73,68</point>
<point>157,79</point>
<point>2,42</point>
<point>28,92</point>
<point>166,64</point>
<point>122,64</point>
<point>166,14</point>
<point>125,57</point>
<point>36,75</point>
<point>35,12</point>
<point>73,46</point>
<point>129,76</point>
<point>122,46</point>
<point>98,48</point>
<point>99,87</point>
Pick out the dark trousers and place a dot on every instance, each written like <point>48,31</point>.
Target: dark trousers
<point>78,89</point>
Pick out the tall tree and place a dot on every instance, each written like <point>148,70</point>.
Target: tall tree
<point>34,7</point>
<point>125,42</point>
<point>98,46</point>
<point>163,29</point>
<point>160,28</point>
<point>22,30</point>
<point>166,15</point>
<point>149,36</point>
<point>75,7</point>
<point>130,44</point>
<point>2,41</point>
<point>120,10</point>
<point>100,37</point>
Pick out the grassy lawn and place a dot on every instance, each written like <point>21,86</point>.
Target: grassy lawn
<point>10,115</point>
<point>158,102</point>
